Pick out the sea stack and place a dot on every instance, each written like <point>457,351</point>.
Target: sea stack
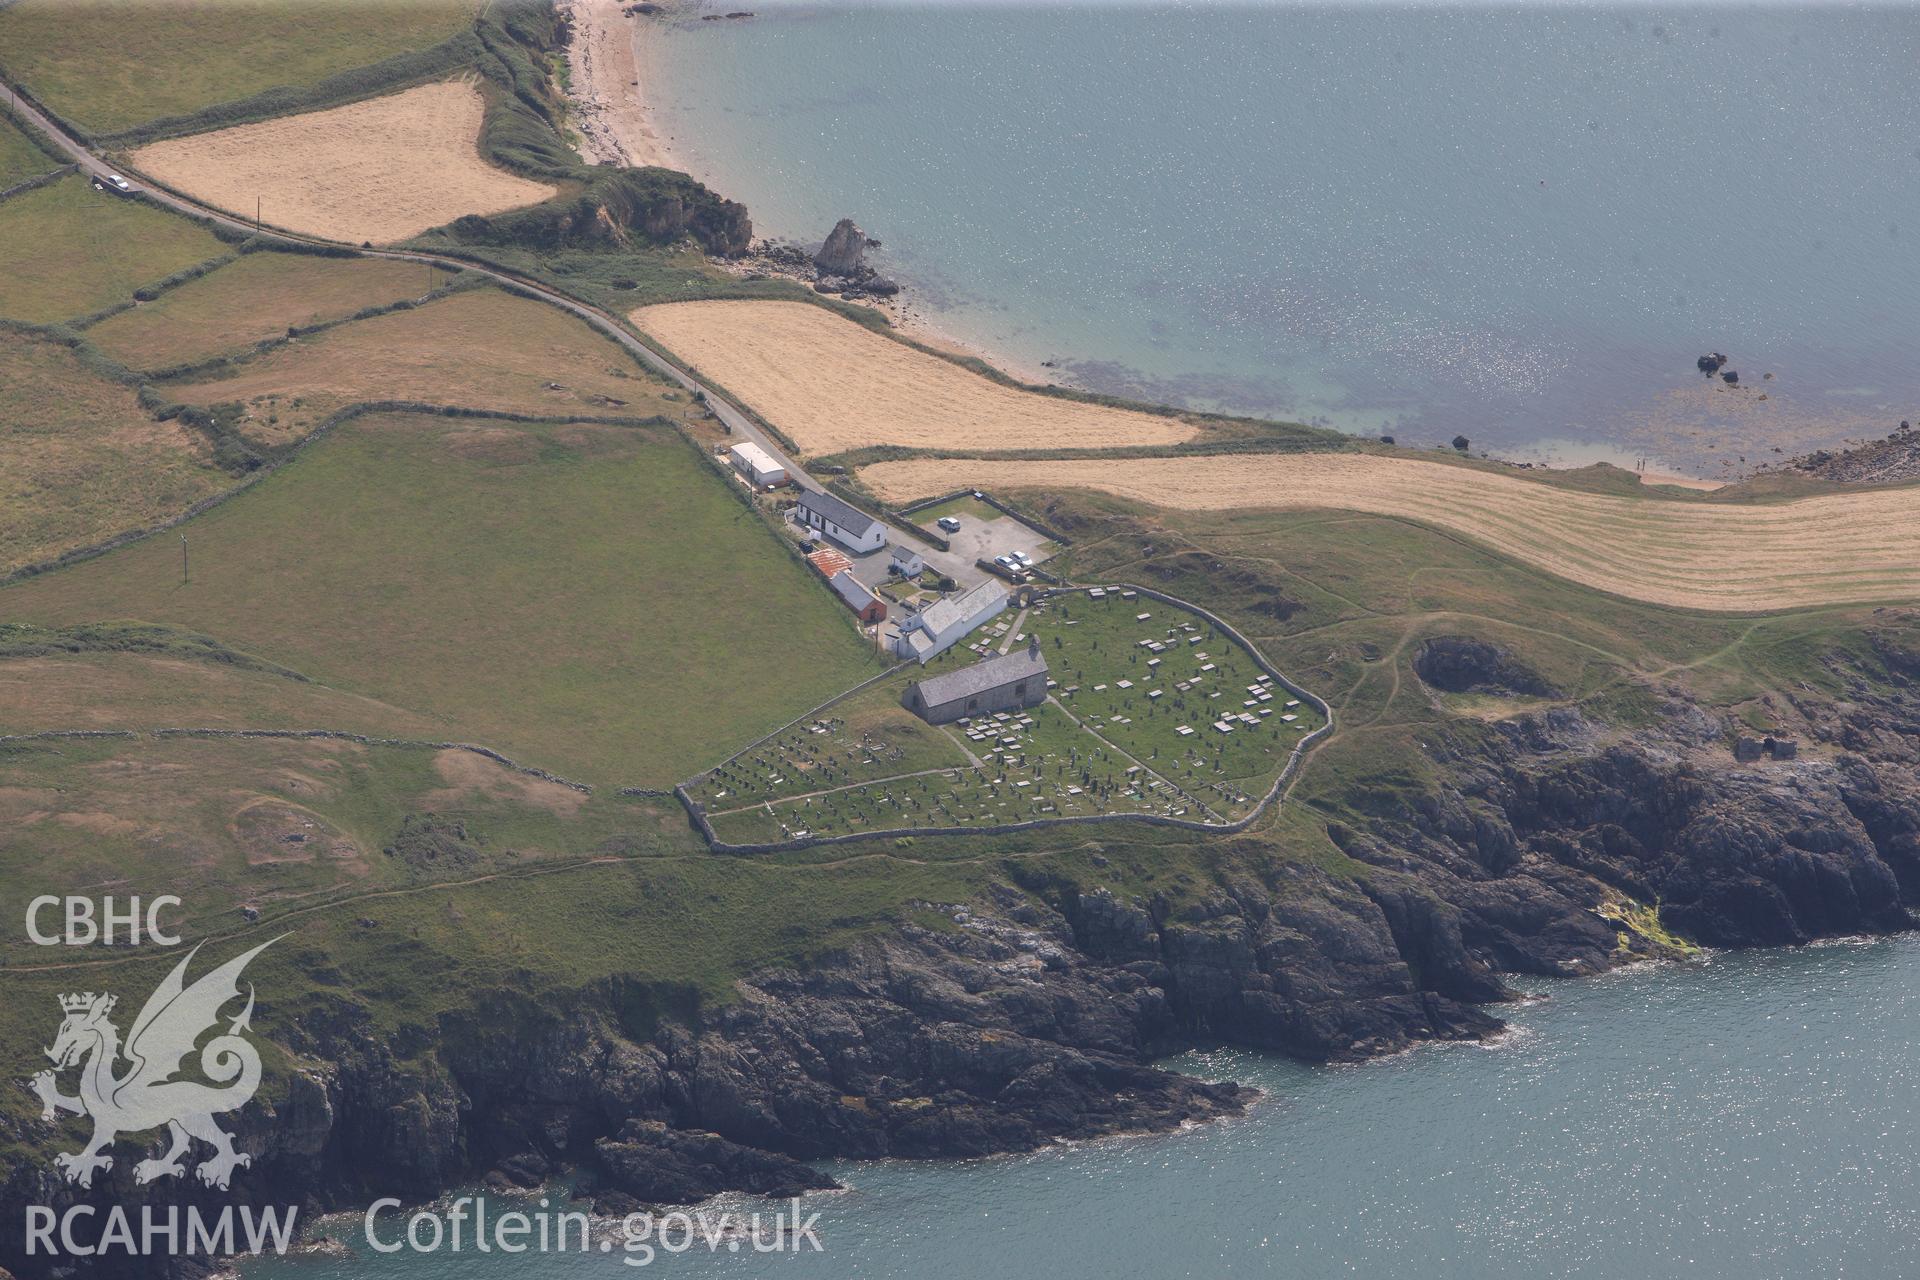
<point>845,251</point>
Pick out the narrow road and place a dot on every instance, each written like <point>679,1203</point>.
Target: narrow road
<point>736,421</point>
<point>738,424</point>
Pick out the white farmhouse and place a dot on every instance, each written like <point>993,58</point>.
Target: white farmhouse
<point>849,526</point>
<point>926,635</point>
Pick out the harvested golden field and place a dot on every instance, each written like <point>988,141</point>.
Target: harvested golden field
<point>380,170</point>
<point>80,460</point>
<point>477,349</point>
<point>260,296</point>
<point>1694,554</point>
<point>831,385</point>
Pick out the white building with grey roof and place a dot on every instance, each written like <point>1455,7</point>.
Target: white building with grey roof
<point>846,524</point>
<point>926,635</point>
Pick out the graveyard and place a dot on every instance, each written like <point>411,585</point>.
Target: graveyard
<point>1150,710</point>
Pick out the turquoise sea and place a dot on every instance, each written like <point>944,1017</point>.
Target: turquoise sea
<point>1748,1118</point>
<point>1522,225</point>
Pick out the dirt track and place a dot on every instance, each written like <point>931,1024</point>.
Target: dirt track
<point>1702,555</point>
<point>380,170</point>
<point>832,385</point>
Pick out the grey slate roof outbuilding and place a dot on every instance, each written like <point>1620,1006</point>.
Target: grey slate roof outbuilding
<point>1017,679</point>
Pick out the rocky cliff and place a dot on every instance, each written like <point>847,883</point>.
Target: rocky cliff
<point>619,208</point>
<point>1036,1013</point>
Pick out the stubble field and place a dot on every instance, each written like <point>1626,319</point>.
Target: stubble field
<point>832,385</point>
<point>379,171</point>
<point>1693,554</point>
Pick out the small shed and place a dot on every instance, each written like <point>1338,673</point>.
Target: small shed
<point>906,562</point>
<point>870,608</point>
<point>1746,750</point>
<point>828,562</point>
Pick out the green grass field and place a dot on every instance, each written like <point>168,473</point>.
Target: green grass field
<point>587,599</point>
<point>67,250</point>
<point>507,900</point>
<point>80,460</point>
<point>19,158</point>
<point>259,296</point>
<point>108,65</point>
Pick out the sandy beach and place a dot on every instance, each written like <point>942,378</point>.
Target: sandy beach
<point>608,96</point>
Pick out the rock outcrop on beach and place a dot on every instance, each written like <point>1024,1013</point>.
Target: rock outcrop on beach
<point>1894,460</point>
<point>844,252</point>
<point>838,267</point>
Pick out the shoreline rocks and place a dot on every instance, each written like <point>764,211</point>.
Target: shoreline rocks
<point>1040,1014</point>
<point>844,252</point>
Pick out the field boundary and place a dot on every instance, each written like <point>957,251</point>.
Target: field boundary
<point>269,467</point>
<point>1287,771</point>
<point>39,180</point>
<point>339,735</point>
<point>457,51</point>
<point>240,356</point>
<point>64,735</point>
<point>335,735</point>
<point>152,292</point>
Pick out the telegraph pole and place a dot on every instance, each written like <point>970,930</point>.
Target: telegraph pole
<point>183,559</point>
<point>256,215</point>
